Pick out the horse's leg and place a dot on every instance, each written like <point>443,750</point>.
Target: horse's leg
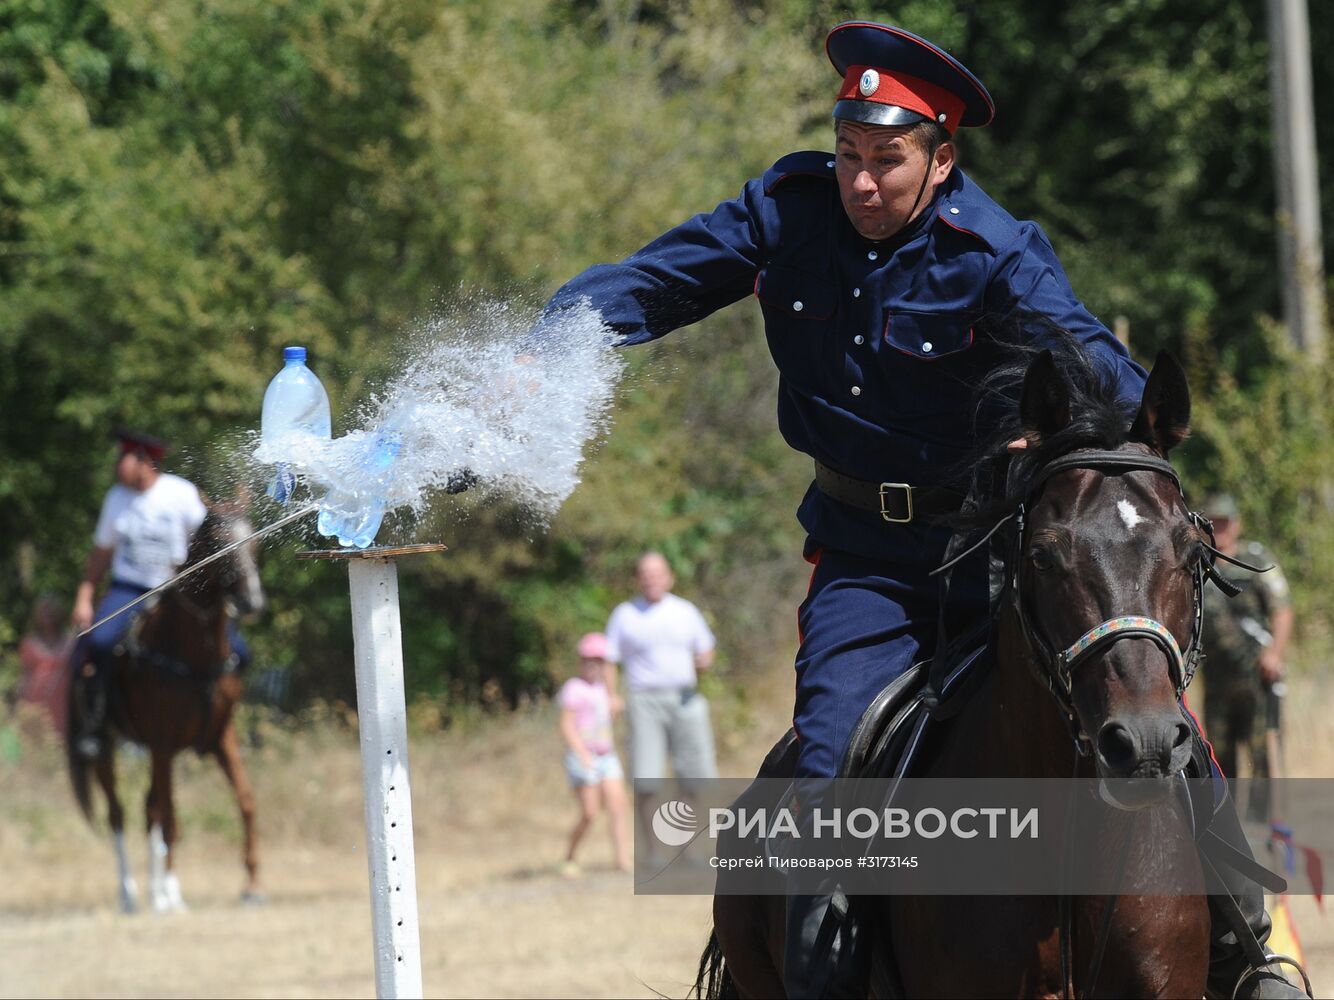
<point>229,759</point>
<point>105,769</point>
<point>164,886</point>
<point>749,931</point>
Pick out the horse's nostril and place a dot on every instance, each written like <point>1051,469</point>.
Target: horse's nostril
<point>1116,745</point>
<point>1182,736</point>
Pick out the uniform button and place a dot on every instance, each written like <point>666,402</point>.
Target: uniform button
<point>797,306</point>
<point>926,348</point>
<point>856,390</point>
<point>872,255</point>
<point>859,340</point>
<point>954,211</point>
<point>856,293</point>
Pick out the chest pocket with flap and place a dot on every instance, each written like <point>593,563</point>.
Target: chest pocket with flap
<point>800,308</point>
<point>929,336</point>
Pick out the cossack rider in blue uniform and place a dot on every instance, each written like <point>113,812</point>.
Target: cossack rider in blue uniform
<point>887,280</point>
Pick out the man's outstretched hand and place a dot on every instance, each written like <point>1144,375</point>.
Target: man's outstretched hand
<point>460,481</point>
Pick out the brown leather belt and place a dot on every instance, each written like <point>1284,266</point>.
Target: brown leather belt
<point>897,503</point>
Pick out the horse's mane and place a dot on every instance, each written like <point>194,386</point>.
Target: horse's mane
<point>999,478</point>
<point>204,542</point>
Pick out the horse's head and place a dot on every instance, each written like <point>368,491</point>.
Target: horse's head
<point>234,577</point>
<point>1107,574</point>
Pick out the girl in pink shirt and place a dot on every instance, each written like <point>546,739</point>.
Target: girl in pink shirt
<point>591,763</point>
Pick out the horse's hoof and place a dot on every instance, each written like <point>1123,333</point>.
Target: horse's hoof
<point>254,897</point>
<point>129,895</point>
<point>167,897</point>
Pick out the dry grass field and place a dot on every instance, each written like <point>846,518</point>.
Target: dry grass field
<point>491,813</point>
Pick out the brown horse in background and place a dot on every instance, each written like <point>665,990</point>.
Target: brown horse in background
<point>1106,533</point>
<point>174,687</point>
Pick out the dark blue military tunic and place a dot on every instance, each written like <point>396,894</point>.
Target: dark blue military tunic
<point>879,346</point>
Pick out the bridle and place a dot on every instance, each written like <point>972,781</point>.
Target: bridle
<point>225,580</point>
<point>1056,667</point>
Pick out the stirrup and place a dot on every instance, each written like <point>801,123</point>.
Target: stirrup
<point>1274,960</point>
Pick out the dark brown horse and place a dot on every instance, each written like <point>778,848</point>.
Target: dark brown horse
<point>1105,534</point>
<point>174,688</point>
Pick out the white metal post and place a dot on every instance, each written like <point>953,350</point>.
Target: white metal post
<point>382,720</point>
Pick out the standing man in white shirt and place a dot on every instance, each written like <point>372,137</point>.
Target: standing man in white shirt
<point>662,642</point>
<point>142,537</point>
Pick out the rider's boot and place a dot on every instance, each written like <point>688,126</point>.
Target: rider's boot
<point>90,738</point>
<point>1231,972</point>
<point>823,952</point>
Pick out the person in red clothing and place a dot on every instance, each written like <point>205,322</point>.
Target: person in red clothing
<point>44,657</point>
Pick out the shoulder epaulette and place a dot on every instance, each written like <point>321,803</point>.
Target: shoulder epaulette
<point>810,163</point>
<point>995,228</point>
<point>969,210</point>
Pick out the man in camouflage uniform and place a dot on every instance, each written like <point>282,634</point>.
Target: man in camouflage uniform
<point>1244,642</point>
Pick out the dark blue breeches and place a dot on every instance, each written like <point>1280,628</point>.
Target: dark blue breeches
<point>863,623</point>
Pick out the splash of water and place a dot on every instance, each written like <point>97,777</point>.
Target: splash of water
<point>480,401</point>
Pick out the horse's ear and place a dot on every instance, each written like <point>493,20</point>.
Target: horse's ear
<point>1163,421</point>
<point>1044,406</point>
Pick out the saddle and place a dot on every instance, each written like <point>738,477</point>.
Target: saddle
<point>884,744</point>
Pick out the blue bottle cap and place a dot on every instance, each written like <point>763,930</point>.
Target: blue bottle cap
<point>294,354</point>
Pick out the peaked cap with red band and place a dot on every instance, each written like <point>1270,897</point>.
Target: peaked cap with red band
<point>145,444</point>
<point>892,77</point>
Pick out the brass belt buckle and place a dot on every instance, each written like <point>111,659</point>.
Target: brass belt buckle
<point>907,493</point>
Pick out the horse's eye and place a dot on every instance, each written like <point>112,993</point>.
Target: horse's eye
<point>1040,558</point>
<point>1195,557</point>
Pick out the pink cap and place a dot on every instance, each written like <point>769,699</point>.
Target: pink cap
<point>593,646</point>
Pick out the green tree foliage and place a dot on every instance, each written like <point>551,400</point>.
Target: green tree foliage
<point>184,188</point>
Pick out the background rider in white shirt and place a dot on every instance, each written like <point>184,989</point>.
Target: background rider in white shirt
<point>142,536</point>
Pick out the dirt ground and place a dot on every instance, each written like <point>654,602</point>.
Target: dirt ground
<point>491,814</point>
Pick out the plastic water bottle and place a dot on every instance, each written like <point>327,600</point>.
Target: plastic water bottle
<point>353,515</point>
<point>295,407</point>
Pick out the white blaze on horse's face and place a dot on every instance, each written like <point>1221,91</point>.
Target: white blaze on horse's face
<point>252,595</point>
<point>1129,515</point>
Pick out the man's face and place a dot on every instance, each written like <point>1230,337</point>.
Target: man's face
<point>49,617</point>
<point>132,469</point>
<point>880,172</point>
<point>654,577</point>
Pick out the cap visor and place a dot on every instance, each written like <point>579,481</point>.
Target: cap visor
<point>870,113</point>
